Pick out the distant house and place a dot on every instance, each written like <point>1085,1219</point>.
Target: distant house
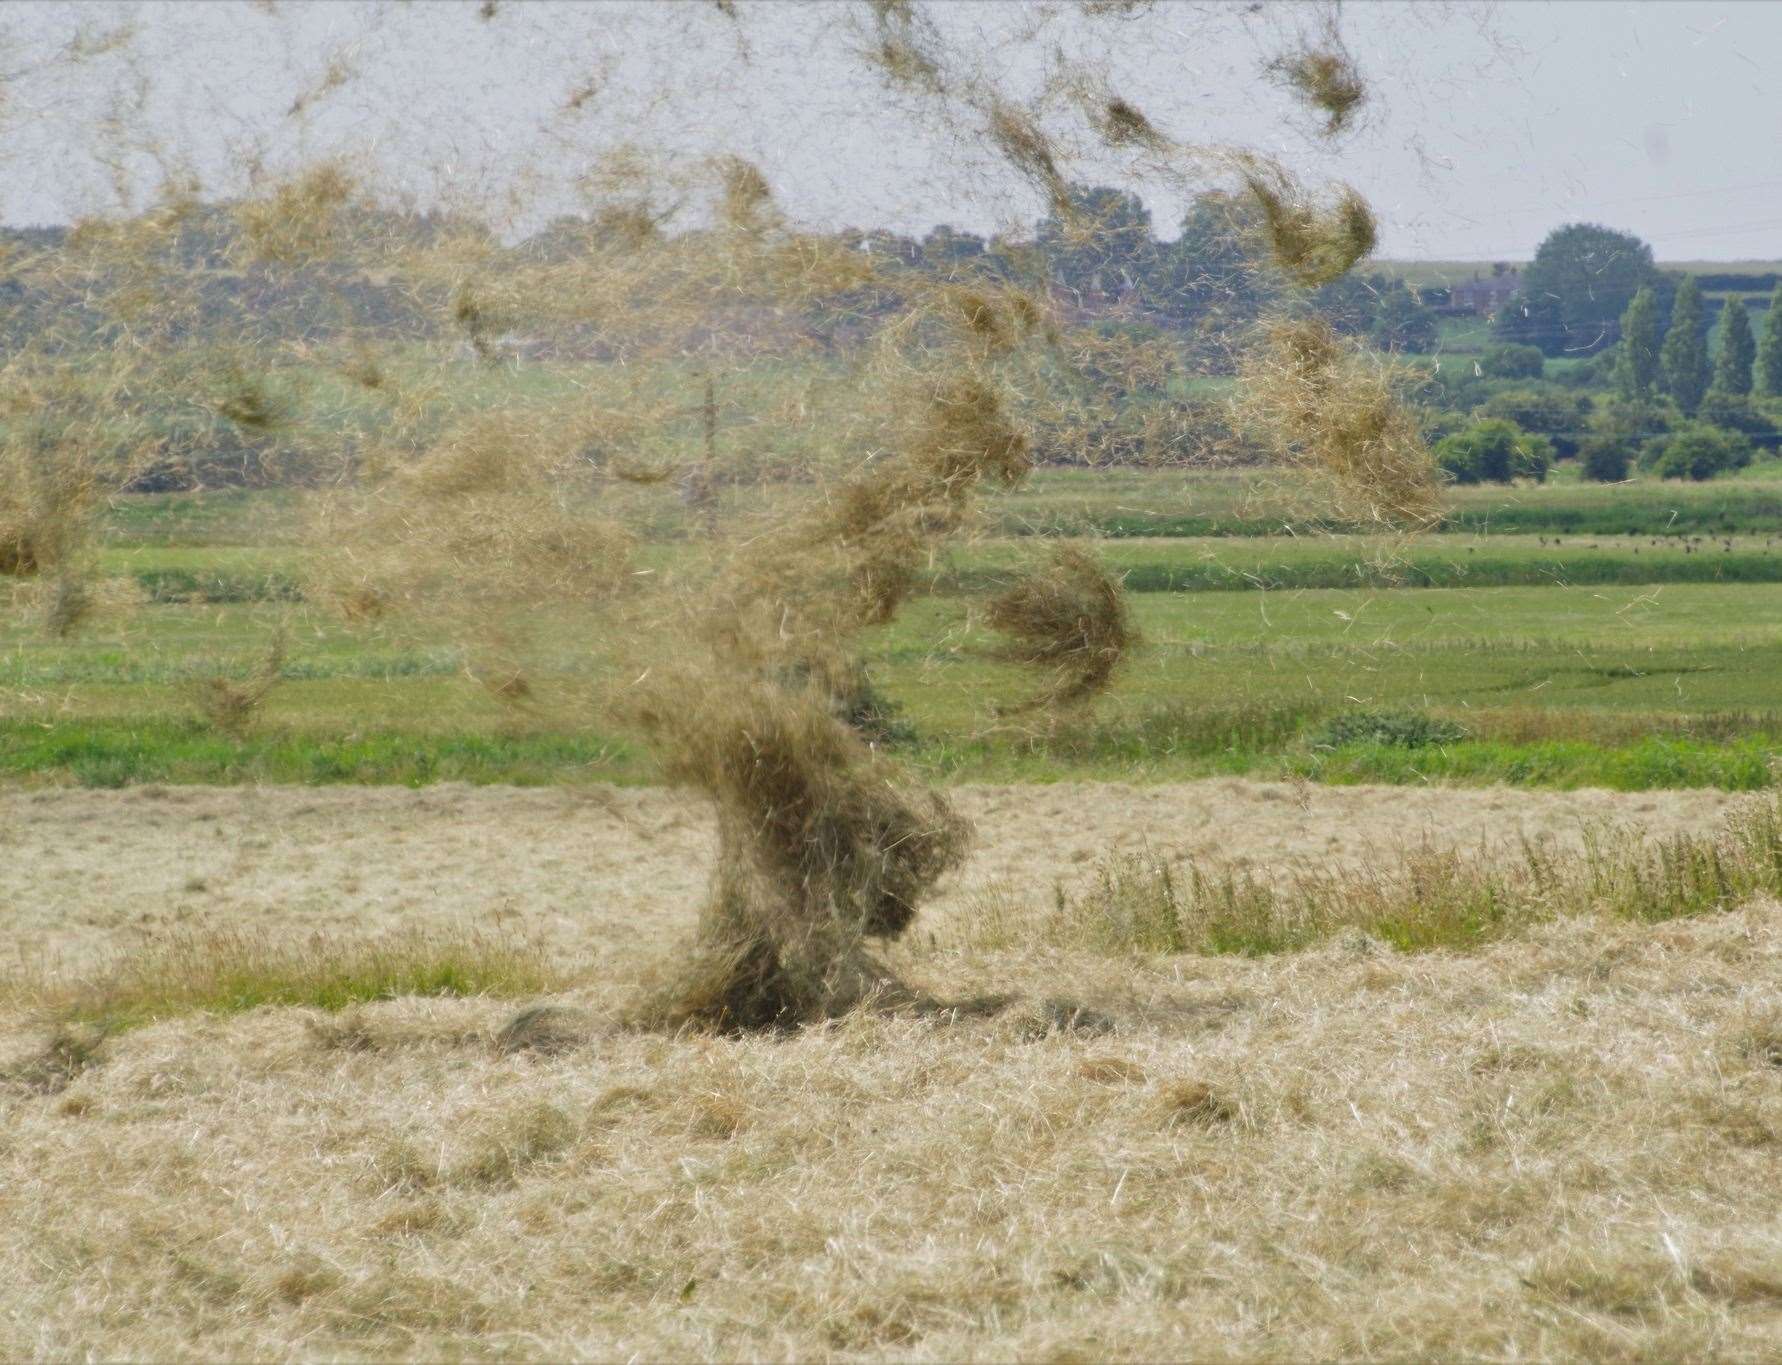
<point>1485,293</point>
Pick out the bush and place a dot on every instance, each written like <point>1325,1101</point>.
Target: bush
<point>1548,411</point>
<point>1513,361</point>
<point>1736,412</point>
<point>1533,457</point>
<point>1592,372</point>
<point>1494,451</point>
<point>1604,459</point>
<point>1699,452</point>
<point>1453,386</point>
<point>1641,427</point>
<point>1440,423</point>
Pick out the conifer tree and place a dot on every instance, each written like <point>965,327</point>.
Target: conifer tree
<point>1685,354</point>
<point>1638,368</point>
<point>1732,364</point>
<point>1769,350</point>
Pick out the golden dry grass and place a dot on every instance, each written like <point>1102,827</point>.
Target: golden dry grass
<point>1565,1146</point>
<point>290,1074</point>
<point>1338,410</point>
<point>604,875</point>
<point>1567,1143</point>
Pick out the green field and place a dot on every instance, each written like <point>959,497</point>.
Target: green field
<point>1630,660</point>
<point>1119,502</point>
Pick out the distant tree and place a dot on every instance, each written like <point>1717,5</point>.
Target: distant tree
<point>1494,451</point>
<point>1592,372</point>
<point>1685,355</point>
<point>1603,459</point>
<point>1641,428</point>
<point>1552,412</point>
<point>1699,452</point>
<point>1639,367</point>
<point>1732,362</point>
<point>1769,351</point>
<point>1205,283</point>
<point>1454,385</point>
<point>1736,412</point>
<point>1513,362</point>
<point>945,245</point>
<point>1107,251</point>
<point>1582,279</point>
<point>1401,322</point>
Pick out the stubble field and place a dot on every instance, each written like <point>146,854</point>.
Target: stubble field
<point>1566,1139</point>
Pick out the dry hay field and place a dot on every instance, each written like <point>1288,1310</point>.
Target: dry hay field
<point>1567,1142</point>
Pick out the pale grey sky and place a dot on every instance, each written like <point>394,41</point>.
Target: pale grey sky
<point>1489,123</point>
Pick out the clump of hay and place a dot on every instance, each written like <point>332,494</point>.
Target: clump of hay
<point>300,218</point>
<point>1325,76</point>
<point>1311,243</point>
<point>548,1030</point>
<point>50,488</point>
<point>69,602</point>
<point>747,198</point>
<point>47,494</point>
<point>1323,402</point>
<point>903,48</point>
<point>362,367</point>
<point>1070,617</point>
<point>992,320</point>
<point>886,519</point>
<point>627,226</point>
<point>472,316</point>
<point>229,705</point>
<point>251,403</point>
<point>339,71</point>
<point>1018,137</point>
<point>1123,124</point>
<point>493,515</point>
<point>823,846</point>
<point>68,1051</point>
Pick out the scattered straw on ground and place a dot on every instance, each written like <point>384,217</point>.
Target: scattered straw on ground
<point>1568,1146</point>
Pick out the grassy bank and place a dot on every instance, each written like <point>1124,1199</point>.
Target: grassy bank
<point>1168,745</point>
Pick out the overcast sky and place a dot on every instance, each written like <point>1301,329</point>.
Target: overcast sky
<point>1488,124</point>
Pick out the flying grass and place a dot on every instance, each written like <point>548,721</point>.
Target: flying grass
<point>1311,243</point>
<point>740,662</point>
<point>229,705</point>
<point>1070,618</point>
<point>1324,76</point>
<point>1322,403</point>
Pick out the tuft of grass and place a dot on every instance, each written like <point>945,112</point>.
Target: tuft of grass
<point>231,972</point>
<point>1309,242</point>
<point>1069,616</point>
<point>1325,77</point>
<point>230,705</point>
<point>1426,897</point>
